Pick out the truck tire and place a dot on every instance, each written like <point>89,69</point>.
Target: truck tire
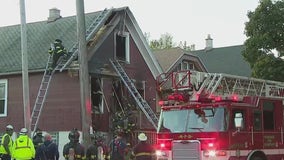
<point>258,156</point>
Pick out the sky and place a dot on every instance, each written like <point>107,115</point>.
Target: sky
<point>185,20</point>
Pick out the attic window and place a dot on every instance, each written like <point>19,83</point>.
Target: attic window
<point>122,46</point>
<point>186,65</point>
<point>3,98</point>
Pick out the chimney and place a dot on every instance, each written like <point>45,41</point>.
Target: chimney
<point>54,14</point>
<point>209,43</point>
<point>192,47</point>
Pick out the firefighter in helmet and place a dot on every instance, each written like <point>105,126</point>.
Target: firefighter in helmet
<point>38,138</point>
<point>97,150</point>
<point>143,150</point>
<point>56,51</point>
<point>73,150</point>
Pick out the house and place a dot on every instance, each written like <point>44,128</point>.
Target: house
<point>177,62</point>
<point>227,60</point>
<point>177,59</point>
<point>117,47</point>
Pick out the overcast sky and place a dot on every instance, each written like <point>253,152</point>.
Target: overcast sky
<point>185,20</point>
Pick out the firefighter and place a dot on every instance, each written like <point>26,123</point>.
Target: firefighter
<point>23,148</point>
<point>118,147</point>
<point>143,150</point>
<point>57,50</point>
<point>97,150</point>
<point>73,150</point>
<point>38,138</point>
<point>7,143</point>
<point>128,154</point>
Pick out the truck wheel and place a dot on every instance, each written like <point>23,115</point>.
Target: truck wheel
<point>258,156</point>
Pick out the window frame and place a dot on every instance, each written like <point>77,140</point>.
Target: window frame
<point>127,45</point>
<point>186,65</point>
<point>5,82</point>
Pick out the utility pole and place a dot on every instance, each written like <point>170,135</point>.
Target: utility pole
<point>83,73</point>
<point>25,73</point>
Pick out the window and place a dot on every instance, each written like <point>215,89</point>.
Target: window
<point>97,95</point>
<point>257,123</point>
<point>242,112</point>
<point>268,115</point>
<point>186,65</point>
<point>3,98</point>
<point>122,46</point>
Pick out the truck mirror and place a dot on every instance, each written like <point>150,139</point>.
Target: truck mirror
<point>238,120</point>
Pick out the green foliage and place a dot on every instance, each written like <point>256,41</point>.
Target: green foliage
<point>165,42</point>
<point>265,32</point>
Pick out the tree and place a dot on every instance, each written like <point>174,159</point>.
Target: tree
<point>265,44</point>
<point>166,42</point>
<point>183,45</point>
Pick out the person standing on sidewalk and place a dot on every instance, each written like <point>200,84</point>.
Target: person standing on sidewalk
<point>6,144</point>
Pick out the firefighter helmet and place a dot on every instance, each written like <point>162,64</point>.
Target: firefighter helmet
<point>74,134</point>
<point>58,41</point>
<point>23,131</point>
<point>9,127</point>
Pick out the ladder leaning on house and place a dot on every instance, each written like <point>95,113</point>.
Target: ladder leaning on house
<point>62,64</point>
<point>143,105</point>
<point>93,29</point>
<point>41,95</point>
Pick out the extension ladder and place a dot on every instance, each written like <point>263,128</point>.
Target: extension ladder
<point>41,96</point>
<point>143,105</point>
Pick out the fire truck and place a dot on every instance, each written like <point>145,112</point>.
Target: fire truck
<point>213,116</point>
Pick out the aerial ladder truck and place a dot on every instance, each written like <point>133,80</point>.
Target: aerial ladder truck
<point>209,116</point>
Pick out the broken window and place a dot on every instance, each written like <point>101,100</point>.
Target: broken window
<point>118,95</point>
<point>97,95</point>
<point>122,46</point>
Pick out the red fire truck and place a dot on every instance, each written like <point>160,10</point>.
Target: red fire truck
<point>212,116</point>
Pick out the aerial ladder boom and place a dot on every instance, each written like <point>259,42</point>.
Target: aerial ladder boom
<point>143,105</point>
<point>220,84</point>
<point>61,65</point>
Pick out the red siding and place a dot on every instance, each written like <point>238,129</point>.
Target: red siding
<point>62,106</point>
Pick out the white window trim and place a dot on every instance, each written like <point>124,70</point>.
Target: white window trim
<point>189,65</point>
<point>124,34</point>
<point>5,81</point>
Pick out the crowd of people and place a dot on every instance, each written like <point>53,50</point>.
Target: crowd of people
<point>24,148</point>
<point>42,147</point>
